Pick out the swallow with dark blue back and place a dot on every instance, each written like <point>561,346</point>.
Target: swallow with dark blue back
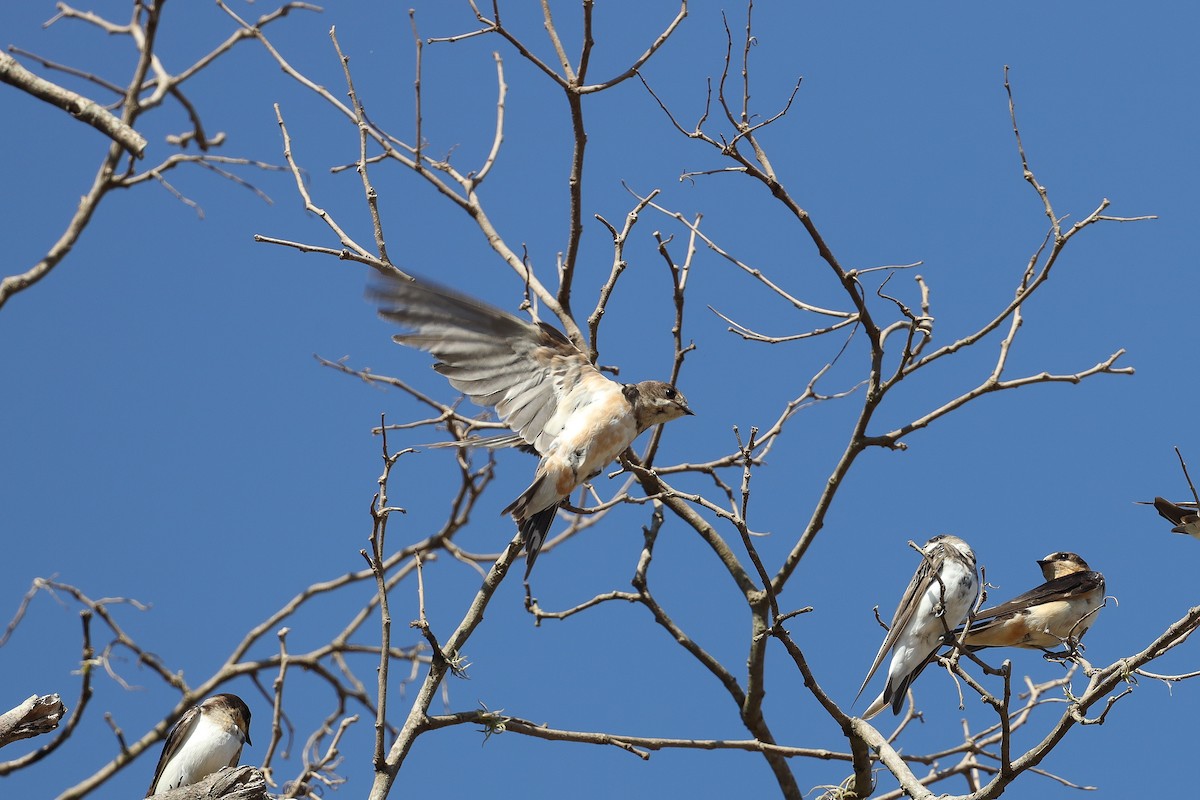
<point>1057,613</point>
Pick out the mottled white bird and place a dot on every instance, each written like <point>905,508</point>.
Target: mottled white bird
<point>936,602</point>
<point>206,738</point>
<point>541,385</point>
<point>1057,613</point>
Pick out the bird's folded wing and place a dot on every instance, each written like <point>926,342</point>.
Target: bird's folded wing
<point>1176,513</point>
<point>904,613</point>
<point>175,739</point>
<point>1066,587</point>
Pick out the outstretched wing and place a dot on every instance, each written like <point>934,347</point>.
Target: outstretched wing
<point>488,442</point>
<point>522,369</point>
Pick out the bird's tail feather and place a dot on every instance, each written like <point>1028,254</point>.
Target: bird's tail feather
<point>877,705</point>
<point>533,531</point>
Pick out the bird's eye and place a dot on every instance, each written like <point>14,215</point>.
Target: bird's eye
<point>670,393</point>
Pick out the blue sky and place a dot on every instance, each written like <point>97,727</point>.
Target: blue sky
<point>170,437</point>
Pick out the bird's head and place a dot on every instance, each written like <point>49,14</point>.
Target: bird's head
<point>655,402</point>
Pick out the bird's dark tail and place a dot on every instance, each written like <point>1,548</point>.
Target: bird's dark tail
<point>900,691</point>
<point>534,530</point>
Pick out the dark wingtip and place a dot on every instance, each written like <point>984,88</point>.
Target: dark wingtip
<point>1168,510</point>
<point>533,531</point>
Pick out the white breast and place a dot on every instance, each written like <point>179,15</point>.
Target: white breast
<point>207,749</point>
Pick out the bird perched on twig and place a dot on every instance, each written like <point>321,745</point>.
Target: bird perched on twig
<point>1056,613</point>
<point>935,603</point>
<point>206,738</point>
<point>541,385</point>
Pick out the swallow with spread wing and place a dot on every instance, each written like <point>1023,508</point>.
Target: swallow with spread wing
<point>541,385</point>
<point>1183,516</point>
<point>1054,614</point>
<point>936,602</point>
<point>206,738</point>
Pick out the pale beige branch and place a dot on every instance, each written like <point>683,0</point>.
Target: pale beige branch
<point>754,336</point>
<point>619,238</point>
<point>990,385</point>
<point>81,108</point>
<point>644,57</point>
<point>230,783</point>
<point>360,119</point>
<point>508,724</point>
<point>753,272</point>
<point>346,240</point>
<point>37,715</point>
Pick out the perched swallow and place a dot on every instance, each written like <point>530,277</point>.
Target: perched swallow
<point>936,602</point>
<point>542,386</point>
<point>1053,614</point>
<point>1182,515</point>
<point>206,738</point>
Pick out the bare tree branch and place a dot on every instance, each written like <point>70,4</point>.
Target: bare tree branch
<point>78,106</point>
<point>34,717</point>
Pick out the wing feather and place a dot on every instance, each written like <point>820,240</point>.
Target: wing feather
<point>1175,513</point>
<point>904,612</point>
<point>1064,587</point>
<point>522,369</point>
<point>175,739</point>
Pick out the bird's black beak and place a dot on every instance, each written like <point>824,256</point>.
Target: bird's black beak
<point>687,412</point>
